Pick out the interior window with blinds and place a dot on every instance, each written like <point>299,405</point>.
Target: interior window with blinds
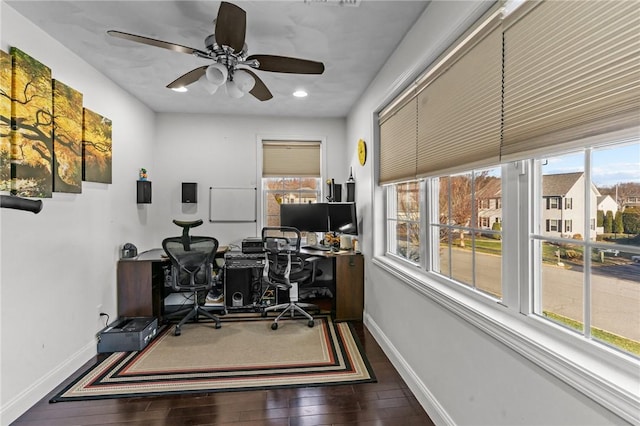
<point>290,174</point>
<point>521,148</point>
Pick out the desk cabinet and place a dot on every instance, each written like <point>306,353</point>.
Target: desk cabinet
<point>349,278</point>
<point>140,285</point>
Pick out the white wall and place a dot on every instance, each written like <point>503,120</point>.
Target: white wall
<point>460,374</point>
<point>222,152</point>
<point>59,266</point>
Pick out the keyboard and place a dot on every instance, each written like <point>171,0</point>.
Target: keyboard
<point>319,248</point>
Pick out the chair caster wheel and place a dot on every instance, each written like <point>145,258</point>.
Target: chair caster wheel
<point>217,326</point>
<point>274,326</point>
<point>310,323</point>
<point>177,332</point>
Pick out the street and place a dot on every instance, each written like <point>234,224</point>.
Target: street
<point>615,290</point>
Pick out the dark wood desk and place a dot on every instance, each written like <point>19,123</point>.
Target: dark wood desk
<point>141,287</point>
<point>348,273</point>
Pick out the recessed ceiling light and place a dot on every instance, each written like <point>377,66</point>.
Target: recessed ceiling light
<point>300,94</point>
<point>179,89</point>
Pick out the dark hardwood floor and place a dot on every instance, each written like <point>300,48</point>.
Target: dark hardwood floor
<point>387,402</point>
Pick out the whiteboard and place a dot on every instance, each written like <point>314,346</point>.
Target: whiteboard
<point>232,204</point>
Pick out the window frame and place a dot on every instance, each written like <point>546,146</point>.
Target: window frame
<point>266,192</point>
<point>590,366</point>
<point>392,210</point>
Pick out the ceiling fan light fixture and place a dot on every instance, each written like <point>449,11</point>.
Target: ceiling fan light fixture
<point>209,87</point>
<point>233,90</point>
<point>300,94</point>
<point>244,81</point>
<point>217,74</point>
<point>227,48</point>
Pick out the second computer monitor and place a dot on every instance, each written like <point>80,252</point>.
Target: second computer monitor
<point>343,218</point>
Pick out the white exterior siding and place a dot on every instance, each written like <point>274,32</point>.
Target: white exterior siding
<point>563,214</point>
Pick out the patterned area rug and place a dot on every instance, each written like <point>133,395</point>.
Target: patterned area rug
<point>245,354</point>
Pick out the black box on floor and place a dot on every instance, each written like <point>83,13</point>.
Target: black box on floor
<point>127,334</point>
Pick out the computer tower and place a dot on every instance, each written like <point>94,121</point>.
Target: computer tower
<point>127,334</point>
<point>189,192</point>
<point>238,287</point>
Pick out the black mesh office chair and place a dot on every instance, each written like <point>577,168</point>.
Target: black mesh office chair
<point>285,269</point>
<point>191,269</point>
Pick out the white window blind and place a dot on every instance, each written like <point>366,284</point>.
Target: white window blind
<point>451,114</point>
<point>459,112</point>
<point>571,71</point>
<point>290,158</point>
<point>398,138</point>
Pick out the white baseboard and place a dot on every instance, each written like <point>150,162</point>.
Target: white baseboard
<point>428,401</point>
<point>26,399</point>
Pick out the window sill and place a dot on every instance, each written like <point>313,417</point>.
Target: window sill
<point>603,374</point>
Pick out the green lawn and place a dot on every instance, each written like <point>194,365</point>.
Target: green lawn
<point>623,343</point>
<point>483,245</point>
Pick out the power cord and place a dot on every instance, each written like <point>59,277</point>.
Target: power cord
<point>102,314</point>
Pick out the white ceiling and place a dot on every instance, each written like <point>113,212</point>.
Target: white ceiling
<point>353,42</point>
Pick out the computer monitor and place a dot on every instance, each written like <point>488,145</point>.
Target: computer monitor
<point>308,217</point>
<point>343,218</point>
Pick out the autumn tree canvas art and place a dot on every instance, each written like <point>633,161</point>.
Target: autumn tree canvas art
<point>96,140</point>
<point>67,138</point>
<point>48,141</point>
<point>32,118</point>
<point>5,121</point>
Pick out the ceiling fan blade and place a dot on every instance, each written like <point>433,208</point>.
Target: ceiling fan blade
<point>259,90</point>
<point>188,78</point>
<point>287,65</point>
<point>154,42</point>
<point>231,26</point>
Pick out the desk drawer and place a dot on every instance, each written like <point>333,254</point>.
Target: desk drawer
<point>349,277</point>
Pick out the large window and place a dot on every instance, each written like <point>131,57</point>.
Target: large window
<point>291,174</point>
<point>584,278</point>
<point>466,249</point>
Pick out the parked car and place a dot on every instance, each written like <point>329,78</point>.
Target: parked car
<point>636,259</point>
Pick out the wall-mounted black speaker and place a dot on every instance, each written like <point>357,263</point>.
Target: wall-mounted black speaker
<point>337,193</point>
<point>144,191</point>
<point>189,192</point>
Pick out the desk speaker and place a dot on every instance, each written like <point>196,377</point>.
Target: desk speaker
<point>237,291</point>
<point>189,192</point>
<point>351,191</point>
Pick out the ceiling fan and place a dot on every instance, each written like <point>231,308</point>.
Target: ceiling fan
<point>232,65</point>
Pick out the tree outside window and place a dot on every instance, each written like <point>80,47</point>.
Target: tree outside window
<point>403,216</point>
<point>287,190</point>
